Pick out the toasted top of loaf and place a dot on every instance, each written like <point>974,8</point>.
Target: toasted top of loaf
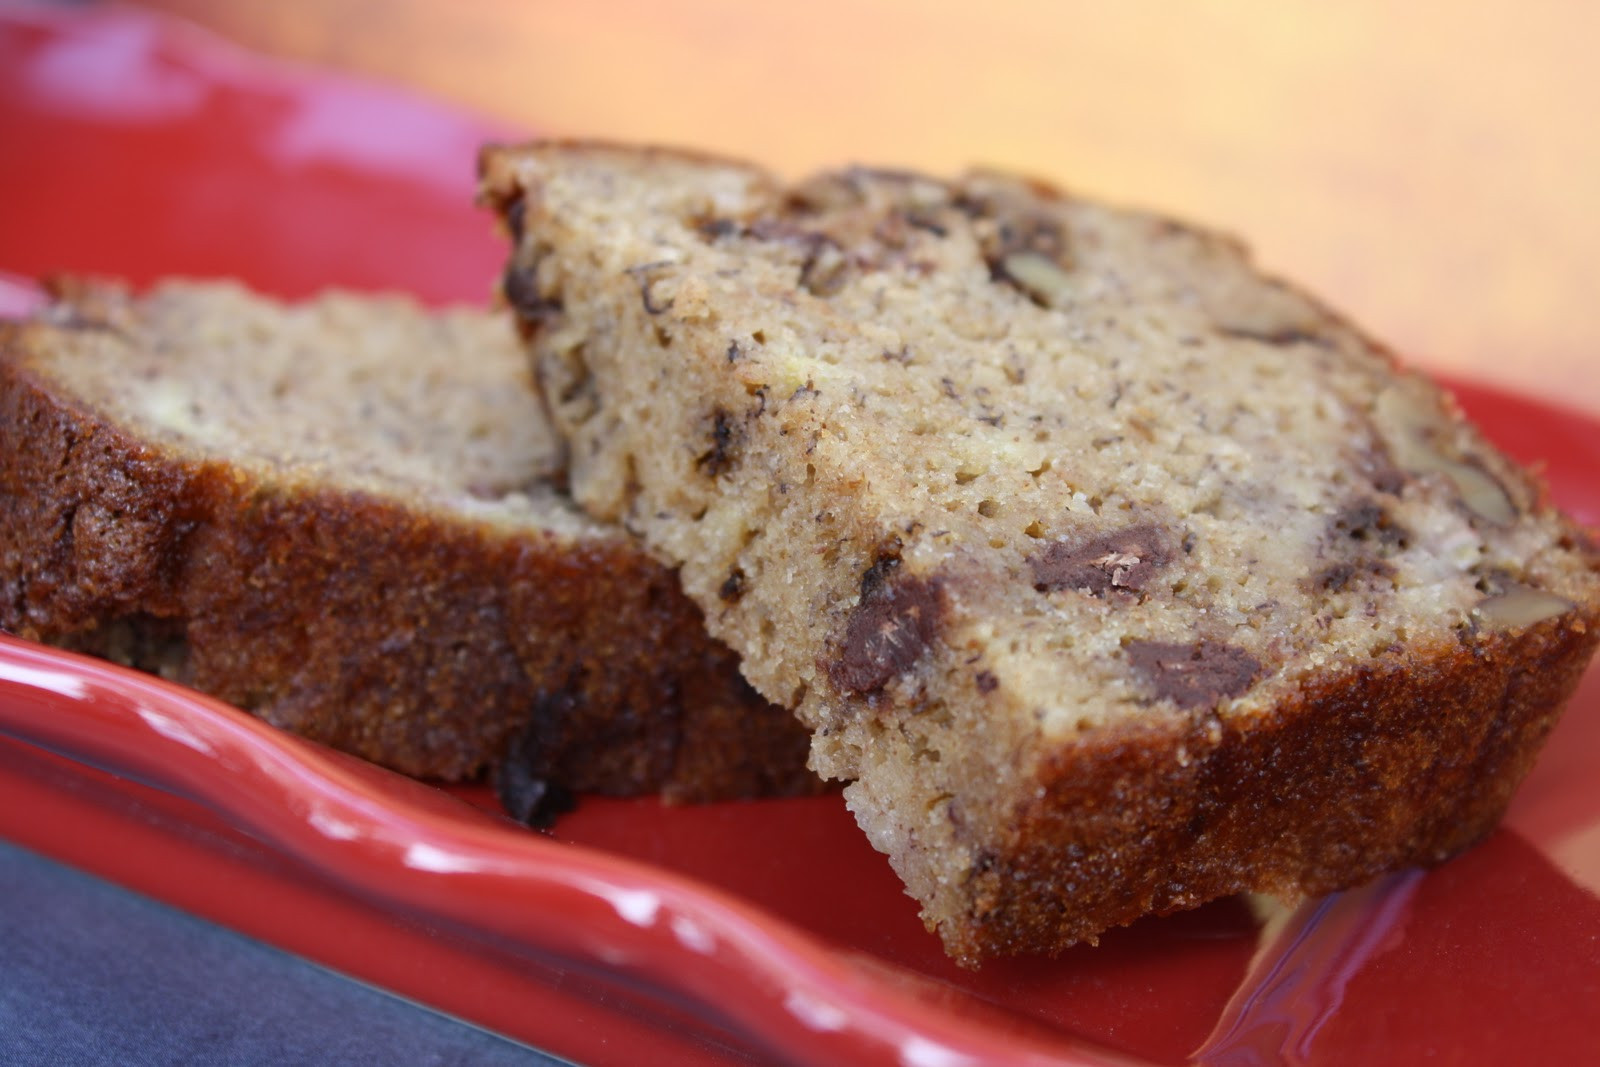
<point>992,484</point>
<point>345,515</point>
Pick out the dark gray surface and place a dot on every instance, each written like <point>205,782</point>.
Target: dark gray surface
<point>92,974</point>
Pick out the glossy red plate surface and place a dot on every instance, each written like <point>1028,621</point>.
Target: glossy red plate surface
<point>637,933</point>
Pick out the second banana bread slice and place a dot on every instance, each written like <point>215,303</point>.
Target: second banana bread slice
<point>345,516</point>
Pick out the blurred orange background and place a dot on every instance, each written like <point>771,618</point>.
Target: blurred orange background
<point>1431,168</point>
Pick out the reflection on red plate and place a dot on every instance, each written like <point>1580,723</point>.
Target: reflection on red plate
<point>139,147</point>
<point>638,933</point>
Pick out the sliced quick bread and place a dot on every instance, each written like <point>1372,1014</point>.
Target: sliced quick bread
<point>346,516</point>
<point>1114,575</point>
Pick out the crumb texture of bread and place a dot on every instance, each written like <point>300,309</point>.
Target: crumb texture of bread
<point>1114,575</point>
<point>346,516</point>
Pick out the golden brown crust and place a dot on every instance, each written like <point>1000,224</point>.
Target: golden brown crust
<point>408,637</point>
<point>1423,753</point>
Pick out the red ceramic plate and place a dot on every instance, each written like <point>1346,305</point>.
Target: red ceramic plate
<point>638,933</point>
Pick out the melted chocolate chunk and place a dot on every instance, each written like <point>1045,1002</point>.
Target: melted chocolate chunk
<point>644,276</point>
<point>1367,520</point>
<point>531,800</point>
<point>1197,675</point>
<point>732,586</point>
<point>1341,576</point>
<point>720,457</point>
<point>887,561</point>
<point>521,288</point>
<point>1388,479</point>
<point>1121,561</point>
<point>893,625</point>
<point>986,682</point>
<point>521,779</point>
<point>517,219</point>
<point>825,266</point>
<point>1375,463</point>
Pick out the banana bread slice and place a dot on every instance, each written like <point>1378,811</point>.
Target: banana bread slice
<point>346,516</point>
<point>1114,574</point>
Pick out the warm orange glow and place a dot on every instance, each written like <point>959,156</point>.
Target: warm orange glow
<point>1433,168</point>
